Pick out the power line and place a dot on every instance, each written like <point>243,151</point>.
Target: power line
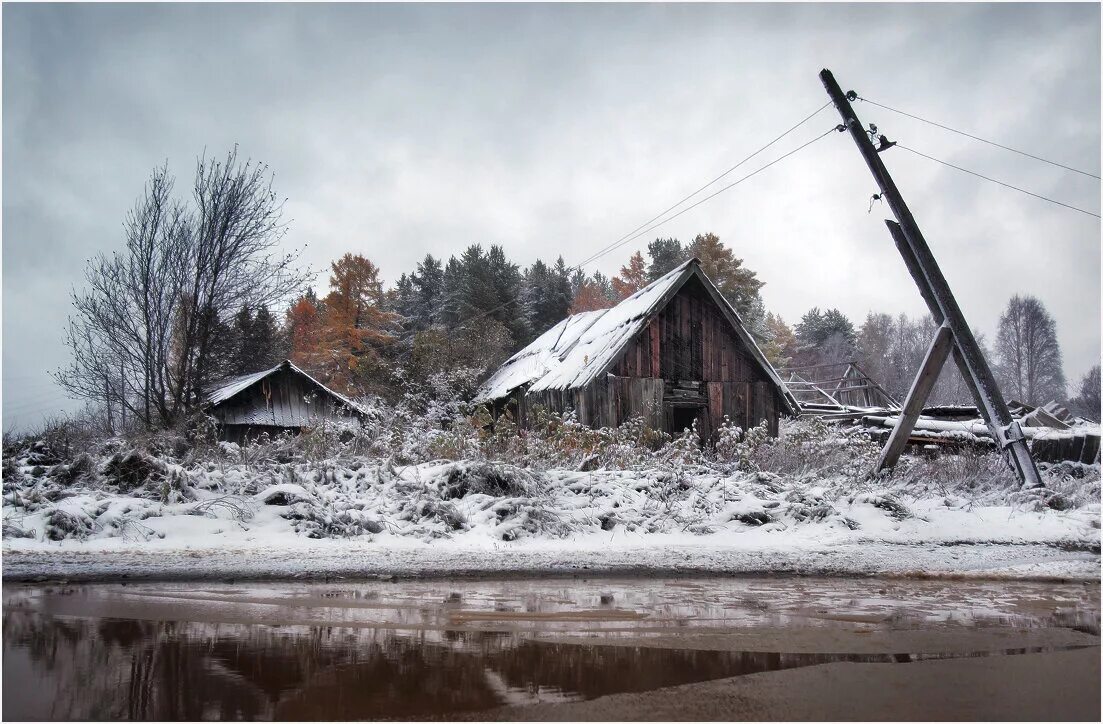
<point>1001,183</point>
<point>978,138</point>
<point>710,183</point>
<point>712,195</point>
<point>624,241</point>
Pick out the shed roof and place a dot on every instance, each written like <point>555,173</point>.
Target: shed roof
<point>575,352</point>
<point>228,389</point>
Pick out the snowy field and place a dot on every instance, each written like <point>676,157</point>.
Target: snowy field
<point>236,513</point>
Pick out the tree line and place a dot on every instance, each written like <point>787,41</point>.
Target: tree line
<point>1025,357</point>
<point>203,290</point>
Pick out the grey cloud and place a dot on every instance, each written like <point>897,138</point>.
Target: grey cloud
<point>400,130</point>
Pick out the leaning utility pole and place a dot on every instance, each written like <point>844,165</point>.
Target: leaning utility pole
<point>953,336</point>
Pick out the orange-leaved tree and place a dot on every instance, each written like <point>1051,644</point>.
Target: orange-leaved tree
<point>589,297</point>
<point>304,328</point>
<point>357,327</point>
<point>632,277</point>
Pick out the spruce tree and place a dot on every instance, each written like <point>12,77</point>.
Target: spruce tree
<point>428,283</point>
<point>665,255</point>
<point>268,346</point>
<point>451,294</point>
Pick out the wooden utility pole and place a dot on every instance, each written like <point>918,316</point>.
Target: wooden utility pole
<point>936,292</point>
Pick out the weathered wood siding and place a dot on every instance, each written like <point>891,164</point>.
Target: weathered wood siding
<point>284,400</point>
<point>689,341</point>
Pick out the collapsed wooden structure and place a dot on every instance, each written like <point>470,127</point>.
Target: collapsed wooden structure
<point>1050,431</point>
<point>834,384</point>
<point>675,353</point>
<point>274,401</point>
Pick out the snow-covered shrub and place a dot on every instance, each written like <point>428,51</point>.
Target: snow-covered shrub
<point>443,511</point>
<point>885,502</point>
<point>494,479</point>
<point>329,520</point>
<point>13,529</point>
<point>134,469</point>
<point>812,448</point>
<point>729,439</point>
<point>61,524</point>
<point>81,468</point>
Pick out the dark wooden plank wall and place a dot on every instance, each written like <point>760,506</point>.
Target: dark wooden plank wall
<point>691,339</point>
<point>688,340</point>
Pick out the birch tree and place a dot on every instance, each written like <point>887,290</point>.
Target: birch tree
<point>1028,356</point>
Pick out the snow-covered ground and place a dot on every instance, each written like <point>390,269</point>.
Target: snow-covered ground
<point>367,517</point>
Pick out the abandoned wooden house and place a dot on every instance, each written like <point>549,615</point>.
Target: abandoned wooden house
<point>675,353</point>
<point>274,401</point>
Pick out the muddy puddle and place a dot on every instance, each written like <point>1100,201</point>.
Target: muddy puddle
<point>377,650</point>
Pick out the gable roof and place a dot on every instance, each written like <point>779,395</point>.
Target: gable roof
<point>575,352</point>
<point>228,389</point>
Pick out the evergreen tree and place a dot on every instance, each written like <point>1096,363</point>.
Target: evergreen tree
<point>506,283</point>
<point>559,293</point>
<point>451,294</point>
<point>403,301</point>
<point>428,282</point>
<point>578,281</point>
<point>547,295</point>
<point>665,255</point>
<point>267,344</point>
<point>604,286</point>
<point>825,337</point>
<point>738,284</point>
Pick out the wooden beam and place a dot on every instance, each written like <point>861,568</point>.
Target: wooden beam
<point>921,388</point>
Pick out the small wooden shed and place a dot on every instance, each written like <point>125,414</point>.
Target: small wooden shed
<point>674,352</point>
<point>277,400</point>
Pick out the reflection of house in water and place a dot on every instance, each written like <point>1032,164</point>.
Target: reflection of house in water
<point>274,401</point>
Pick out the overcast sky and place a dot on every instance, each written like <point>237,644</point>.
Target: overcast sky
<point>400,130</point>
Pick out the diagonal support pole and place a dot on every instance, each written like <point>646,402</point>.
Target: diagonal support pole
<point>924,382</point>
<point>932,305</point>
<point>1005,431</point>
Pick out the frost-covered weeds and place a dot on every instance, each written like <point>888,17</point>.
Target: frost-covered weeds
<point>443,472</point>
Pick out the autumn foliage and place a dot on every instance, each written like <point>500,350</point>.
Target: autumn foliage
<point>341,337</point>
<point>632,277</point>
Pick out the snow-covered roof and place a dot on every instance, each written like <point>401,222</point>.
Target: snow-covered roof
<point>539,357</point>
<point>228,389</point>
<point>576,351</point>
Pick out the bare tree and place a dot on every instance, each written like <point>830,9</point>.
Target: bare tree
<point>1028,357</point>
<point>144,334</point>
<point>1087,401</point>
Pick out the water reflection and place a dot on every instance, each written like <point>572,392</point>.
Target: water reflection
<point>420,650</point>
<point>77,668</point>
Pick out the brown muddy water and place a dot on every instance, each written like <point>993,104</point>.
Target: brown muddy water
<point>378,650</point>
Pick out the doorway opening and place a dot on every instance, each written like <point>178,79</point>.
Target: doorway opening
<point>682,418</point>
